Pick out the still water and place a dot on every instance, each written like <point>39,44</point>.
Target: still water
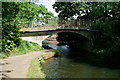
<point>66,67</point>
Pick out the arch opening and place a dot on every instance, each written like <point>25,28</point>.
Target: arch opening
<point>73,40</point>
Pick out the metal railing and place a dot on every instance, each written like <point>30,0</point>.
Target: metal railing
<point>59,23</point>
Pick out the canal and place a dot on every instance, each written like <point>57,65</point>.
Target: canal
<point>69,66</point>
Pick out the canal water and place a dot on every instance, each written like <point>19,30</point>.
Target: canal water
<point>65,66</point>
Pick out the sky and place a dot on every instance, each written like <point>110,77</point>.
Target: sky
<point>48,4</point>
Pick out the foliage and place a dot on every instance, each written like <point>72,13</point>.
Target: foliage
<point>45,42</point>
<point>52,22</point>
<point>108,25</point>
<point>3,55</point>
<point>16,15</point>
<point>58,51</point>
<point>10,29</point>
<point>107,17</point>
<point>24,48</point>
<point>71,8</point>
<point>86,9</point>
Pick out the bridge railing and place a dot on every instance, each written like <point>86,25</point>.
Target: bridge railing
<point>59,23</point>
<point>76,22</point>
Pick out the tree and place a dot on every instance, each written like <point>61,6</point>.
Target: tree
<point>71,8</point>
<point>106,14</point>
<point>16,15</point>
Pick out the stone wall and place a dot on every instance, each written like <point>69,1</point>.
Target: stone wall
<point>35,39</point>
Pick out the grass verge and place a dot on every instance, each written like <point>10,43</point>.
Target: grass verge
<point>3,55</point>
<point>35,69</point>
<point>24,48</point>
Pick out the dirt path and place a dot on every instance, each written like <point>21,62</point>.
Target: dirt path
<point>16,66</point>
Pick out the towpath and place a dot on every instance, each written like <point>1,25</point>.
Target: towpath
<point>17,66</point>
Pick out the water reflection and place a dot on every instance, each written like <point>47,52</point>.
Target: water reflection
<point>65,67</point>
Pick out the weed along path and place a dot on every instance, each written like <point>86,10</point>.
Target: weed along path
<point>17,66</point>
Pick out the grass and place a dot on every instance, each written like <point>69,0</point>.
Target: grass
<point>58,50</point>
<point>24,48</point>
<point>45,42</point>
<point>4,55</point>
<point>35,69</point>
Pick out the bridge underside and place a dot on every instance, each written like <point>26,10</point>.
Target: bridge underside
<point>74,40</point>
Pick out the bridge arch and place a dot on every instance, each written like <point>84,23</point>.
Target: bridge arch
<point>73,39</point>
<point>81,32</point>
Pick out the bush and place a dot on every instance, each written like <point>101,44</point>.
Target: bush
<point>23,48</point>
<point>3,55</point>
<point>45,42</point>
<point>26,47</point>
<point>108,40</point>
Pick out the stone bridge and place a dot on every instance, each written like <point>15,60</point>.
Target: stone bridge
<point>84,32</point>
<point>40,35</point>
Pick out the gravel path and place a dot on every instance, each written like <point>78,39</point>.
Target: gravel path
<point>17,66</point>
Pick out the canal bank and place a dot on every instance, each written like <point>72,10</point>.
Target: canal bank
<point>35,69</point>
<point>73,63</point>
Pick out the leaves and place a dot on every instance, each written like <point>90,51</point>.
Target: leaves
<point>107,16</point>
<point>71,8</point>
<point>16,15</point>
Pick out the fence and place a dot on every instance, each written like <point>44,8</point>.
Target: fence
<point>63,23</point>
<point>76,22</point>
